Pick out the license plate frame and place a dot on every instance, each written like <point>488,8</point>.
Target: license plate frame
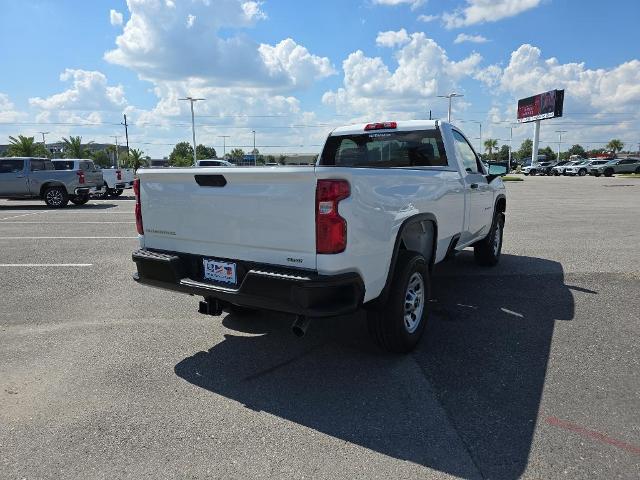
<point>214,270</point>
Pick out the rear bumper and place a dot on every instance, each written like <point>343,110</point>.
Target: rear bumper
<point>259,286</point>
<point>89,190</point>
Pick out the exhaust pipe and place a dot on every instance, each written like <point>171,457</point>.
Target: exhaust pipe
<point>300,325</point>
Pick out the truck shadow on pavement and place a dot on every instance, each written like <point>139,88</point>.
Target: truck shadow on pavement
<point>465,403</point>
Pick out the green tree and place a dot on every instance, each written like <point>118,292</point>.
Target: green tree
<point>101,158</point>
<point>489,145</point>
<point>503,154</point>
<point>182,155</point>
<point>524,153</point>
<point>73,148</point>
<point>136,159</point>
<point>577,150</point>
<point>281,159</point>
<point>237,154</point>
<point>615,145</point>
<point>270,159</point>
<point>202,152</point>
<point>25,147</point>
<point>547,152</point>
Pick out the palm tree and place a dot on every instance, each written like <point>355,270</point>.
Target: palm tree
<point>615,145</point>
<point>73,148</point>
<point>489,145</point>
<point>136,159</point>
<point>23,147</point>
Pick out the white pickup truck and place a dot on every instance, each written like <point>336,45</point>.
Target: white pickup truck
<point>384,203</point>
<point>116,180</point>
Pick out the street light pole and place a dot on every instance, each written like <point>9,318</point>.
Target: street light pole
<point>44,143</point>
<point>255,159</point>
<point>510,148</point>
<point>224,144</point>
<point>450,96</point>
<point>116,139</point>
<point>193,123</point>
<point>560,132</point>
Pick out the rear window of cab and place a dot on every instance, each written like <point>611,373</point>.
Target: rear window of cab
<point>417,148</point>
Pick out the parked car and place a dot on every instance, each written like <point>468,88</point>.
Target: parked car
<point>558,168</point>
<point>26,178</point>
<point>540,168</point>
<point>625,165</point>
<point>117,180</point>
<point>580,168</point>
<point>385,202</point>
<point>214,162</point>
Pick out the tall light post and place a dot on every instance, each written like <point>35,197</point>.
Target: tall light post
<point>450,96</point>
<point>510,148</point>
<point>255,157</point>
<point>115,137</point>
<point>44,143</point>
<point>224,144</point>
<point>193,123</point>
<point>560,132</point>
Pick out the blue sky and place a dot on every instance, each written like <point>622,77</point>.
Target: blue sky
<point>292,70</point>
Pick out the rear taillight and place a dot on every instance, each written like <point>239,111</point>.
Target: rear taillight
<point>331,228</point>
<point>118,175</point>
<point>80,174</point>
<point>136,191</point>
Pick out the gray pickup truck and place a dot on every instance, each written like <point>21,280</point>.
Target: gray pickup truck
<point>25,178</point>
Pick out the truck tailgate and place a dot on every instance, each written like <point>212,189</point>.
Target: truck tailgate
<point>264,215</point>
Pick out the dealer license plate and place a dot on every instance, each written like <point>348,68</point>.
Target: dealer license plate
<point>219,271</point>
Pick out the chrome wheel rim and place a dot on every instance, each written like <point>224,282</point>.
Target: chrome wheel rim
<point>414,302</point>
<point>54,197</point>
<point>497,238</point>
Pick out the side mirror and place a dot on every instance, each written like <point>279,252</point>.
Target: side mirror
<point>497,170</point>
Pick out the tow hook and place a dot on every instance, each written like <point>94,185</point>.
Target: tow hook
<point>210,306</point>
<point>300,325</point>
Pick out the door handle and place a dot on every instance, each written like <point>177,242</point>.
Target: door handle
<point>474,185</point>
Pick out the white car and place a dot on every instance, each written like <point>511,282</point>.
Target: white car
<point>214,162</point>
<point>580,168</point>
<point>117,180</point>
<point>363,228</point>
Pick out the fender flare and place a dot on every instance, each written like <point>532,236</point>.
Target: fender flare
<point>421,217</point>
<point>52,183</point>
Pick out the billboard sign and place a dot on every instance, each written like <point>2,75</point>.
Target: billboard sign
<point>539,107</point>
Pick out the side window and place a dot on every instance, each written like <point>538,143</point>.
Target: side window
<point>11,166</point>
<point>37,165</point>
<point>467,155</point>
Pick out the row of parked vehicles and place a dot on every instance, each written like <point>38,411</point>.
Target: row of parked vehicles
<point>60,181</point>
<point>582,166</point>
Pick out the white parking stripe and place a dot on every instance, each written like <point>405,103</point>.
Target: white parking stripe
<point>46,264</point>
<point>72,223</point>
<point>23,215</point>
<point>66,238</point>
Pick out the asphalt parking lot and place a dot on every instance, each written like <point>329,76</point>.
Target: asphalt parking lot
<point>530,369</point>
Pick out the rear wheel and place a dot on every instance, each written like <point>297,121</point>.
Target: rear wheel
<point>608,172</point>
<point>532,172</point>
<point>582,172</point>
<point>80,199</point>
<point>487,251</point>
<point>398,325</point>
<point>556,173</point>
<point>56,197</point>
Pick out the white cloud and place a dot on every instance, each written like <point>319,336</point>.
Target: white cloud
<point>89,91</point>
<point>8,112</point>
<point>115,17</point>
<point>463,37</point>
<point>392,38</point>
<point>428,18</point>
<point>174,41</point>
<point>412,3</point>
<point>481,11</point>
<point>424,71</point>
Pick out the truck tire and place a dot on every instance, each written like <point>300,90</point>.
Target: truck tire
<point>398,325</point>
<point>116,192</point>
<point>80,199</point>
<point>608,172</point>
<point>56,197</point>
<point>487,251</point>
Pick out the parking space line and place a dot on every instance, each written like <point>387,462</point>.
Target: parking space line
<point>23,215</point>
<point>30,265</point>
<point>66,238</point>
